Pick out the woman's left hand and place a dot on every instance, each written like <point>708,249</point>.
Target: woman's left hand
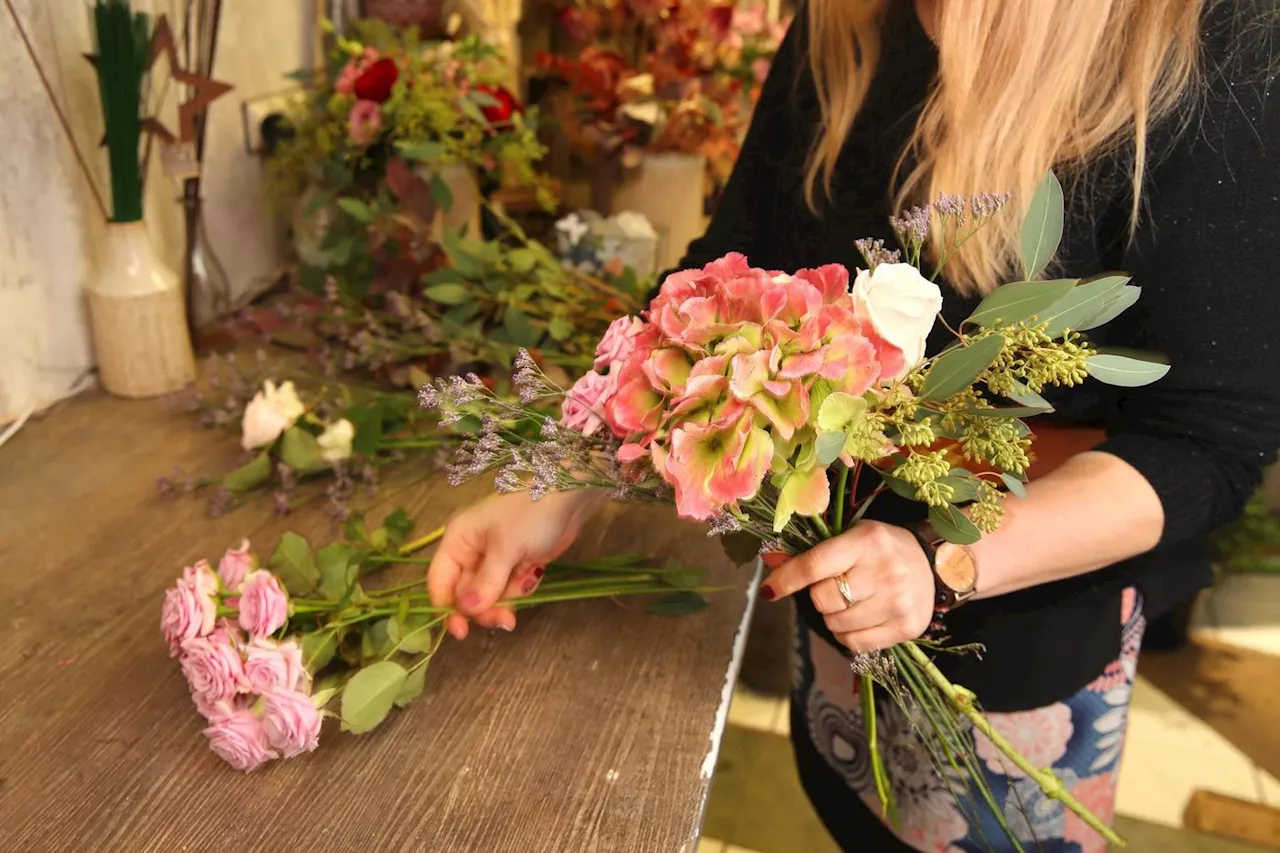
<point>888,576</point>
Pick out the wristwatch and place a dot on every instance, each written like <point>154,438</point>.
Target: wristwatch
<point>955,570</point>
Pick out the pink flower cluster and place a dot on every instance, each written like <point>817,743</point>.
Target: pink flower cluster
<point>718,379</point>
<point>253,689</point>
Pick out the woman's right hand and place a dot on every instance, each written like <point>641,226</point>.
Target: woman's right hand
<point>498,549</point>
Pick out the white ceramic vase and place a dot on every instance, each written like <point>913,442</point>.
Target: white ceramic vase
<point>138,316</point>
<point>668,190</point>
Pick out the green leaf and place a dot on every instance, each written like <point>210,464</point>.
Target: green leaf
<point>1124,371</point>
<point>369,695</point>
<point>399,525</point>
<point>1029,398</point>
<point>471,111</point>
<point>355,529</point>
<point>1042,229</point>
<point>422,152</point>
<point>560,328</point>
<point>441,194</point>
<point>1082,302</point>
<point>483,99</point>
<point>954,371</point>
<point>1020,300</point>
<point>519,327</point>
<point>447,294</point>
<point>250,476</point>
<point>677,604</point>
<point>299,450</point>
<point>1014,484</point>
<point>444,275</point>
<point>901,487</point>
<point>1123,302</point>
<point>963,488</point>
<point>1008,412</point>
<point>357,210</point>
<point>741,547</point>
<point>318,649</point>
<point>682,578</point>
<point>317,201</point>
<point>415,636</point>
<point>522,260</point>
<point>295,565</point>
<point>953,525</point>
<point>321,697</point>
<point>380,638</point>
<point>337,573</point>
<point>414,683</point>
<point>368,422</point>
<point>828,446</point>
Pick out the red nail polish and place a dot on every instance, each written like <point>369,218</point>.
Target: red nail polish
<point>530,585</point>
<point>767,592</point>
<point>539,571</point>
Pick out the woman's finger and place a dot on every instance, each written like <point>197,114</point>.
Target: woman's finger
<point>482,590</point>
<point>456,625</point>
<point>871,613</point>
<point>524,581</point>
<point>455,557</point>
<point>500,617</point>
<point>824,560</point>
<point>826,596</point>
<point>871,639</point>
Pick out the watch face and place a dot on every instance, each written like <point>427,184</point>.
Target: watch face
<point>956,568</point>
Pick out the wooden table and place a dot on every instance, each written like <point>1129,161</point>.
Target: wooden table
<point>592,727</point>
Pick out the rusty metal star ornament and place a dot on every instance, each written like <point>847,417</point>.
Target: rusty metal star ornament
<point>204,90</point>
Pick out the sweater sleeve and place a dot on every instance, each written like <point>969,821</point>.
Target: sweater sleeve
<point>754,180</point>
<point>1205,259</point>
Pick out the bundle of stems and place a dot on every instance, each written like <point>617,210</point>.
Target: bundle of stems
<point>122,43</point>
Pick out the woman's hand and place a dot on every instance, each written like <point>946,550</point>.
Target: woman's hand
<point>498,549</point>
<point>888,576</point>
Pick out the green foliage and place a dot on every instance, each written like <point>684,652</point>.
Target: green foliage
<point>370,694</point>
<point>122,43</point>
<point>1251,543</point>
<point>1042,228</point>
<point>295,565</point>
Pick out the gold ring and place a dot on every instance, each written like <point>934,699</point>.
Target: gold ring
<point>842,584</point>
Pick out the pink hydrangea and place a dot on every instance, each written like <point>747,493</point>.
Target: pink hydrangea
<point>363,122</point>
<point>292,722</point>
<point>264,606</point>
<point>214,671</point>
<point>190,610</point>
<point>236,734</point>
<point>235,564</point>
<point>270,665</point>
<point>584,405</point>
<point>619,341</point>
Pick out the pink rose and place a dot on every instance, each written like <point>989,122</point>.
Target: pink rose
<point>346,83</point>
<point>292,722</point>
<point>583,407</point>
<point>214,671</point>
<point>238,737</point>
<point>264,606</point>
<point>235,564</point>
<point>363,122</point>
<point>270,665</point>
<point>202,578</point>
<point>189,612</point>
<point>619,341</point>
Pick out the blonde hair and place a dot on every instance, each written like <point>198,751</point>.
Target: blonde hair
<point>1023,86</point>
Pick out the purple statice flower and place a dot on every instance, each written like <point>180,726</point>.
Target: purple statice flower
<point>281,498</point>
<point>448,396</point>
<point>874,253</point>
<point>529,381</point>
<point>723,523</point>
<point>986,205</point>
<point>219,503</point>
<point>951,207</point>
<point>912,225</point>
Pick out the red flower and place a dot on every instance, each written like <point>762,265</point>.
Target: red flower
<point>375,82</point>
<point>720,20</point>
<point>500,114</point>
<point>579,24</point>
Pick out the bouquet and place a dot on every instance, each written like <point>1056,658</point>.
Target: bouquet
<point>753,399</point>
<point>269,652</point>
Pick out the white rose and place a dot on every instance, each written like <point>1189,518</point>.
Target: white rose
<point>335,441</point>
<point>271,411</point>
<point>901,305</point>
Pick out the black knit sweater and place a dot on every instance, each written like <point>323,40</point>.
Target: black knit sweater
<point>1203,257</point>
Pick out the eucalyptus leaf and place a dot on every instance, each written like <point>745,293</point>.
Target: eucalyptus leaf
<point>414,683</point>
<point>1084,301</point>
<point>1020,300</point>
<point>956,370</point>
<point>422,152</point>
<point>337,573</point>
<point>1014,485</point>
<point>953,525</point>
<point>447,294</point>
<point>901,488</point>
<point>677,604</point>
<point>369,695</point>
<point>299,450</point>
<point>295,565</point>
<point>249,476</point>
<point>1029,398</point>
<point>962,488</point>
<point>483,99</point>
<point>829,445</point>
<point>1124,371</point>
<point>1008,412</point>
<point>1128,295</point>
<point>1042,228</point>
<point>440,193</point>
<point>741,547</point>
<point>318,649</point>
<point>357,210</point>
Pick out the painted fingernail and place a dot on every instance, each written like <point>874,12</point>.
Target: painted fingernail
<point>767,592</point>
<point>470,600</point>
<point>539,571</point>
<point>530,584</point>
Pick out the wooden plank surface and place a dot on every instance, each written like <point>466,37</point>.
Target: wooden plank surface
<point>590,728</point>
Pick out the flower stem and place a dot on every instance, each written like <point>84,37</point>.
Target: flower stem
<point>963,701</point>
<point>422,542</point>
<point>842,482</point>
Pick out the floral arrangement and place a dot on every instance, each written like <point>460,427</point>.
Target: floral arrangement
<point>596,244</point>
<point>648,76</point>
<point>759,401</point>
<point>269,652</point>
<point>366,152</point>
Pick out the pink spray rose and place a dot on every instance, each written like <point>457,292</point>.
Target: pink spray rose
<point>292,722</point>
<point>363,122</point>
<point>619,341</point>
<point>346,84</point>
<point>270,665</point>
<point>583,407</point>
<point>264,606</point>
<point>237,736</point>
<point>190,610</point>
<point>214,671</point>
<point>235,564</point>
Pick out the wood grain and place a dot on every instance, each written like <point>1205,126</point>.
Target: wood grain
<point>585,730</point>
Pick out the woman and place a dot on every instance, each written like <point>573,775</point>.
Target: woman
<point>1158,115</point>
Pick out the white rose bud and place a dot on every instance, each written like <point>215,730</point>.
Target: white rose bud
<point>335,441</point>
<point>271,411</point>
<point>901,305</point>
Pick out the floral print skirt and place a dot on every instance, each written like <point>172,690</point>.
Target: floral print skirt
<point>1080,738</point>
